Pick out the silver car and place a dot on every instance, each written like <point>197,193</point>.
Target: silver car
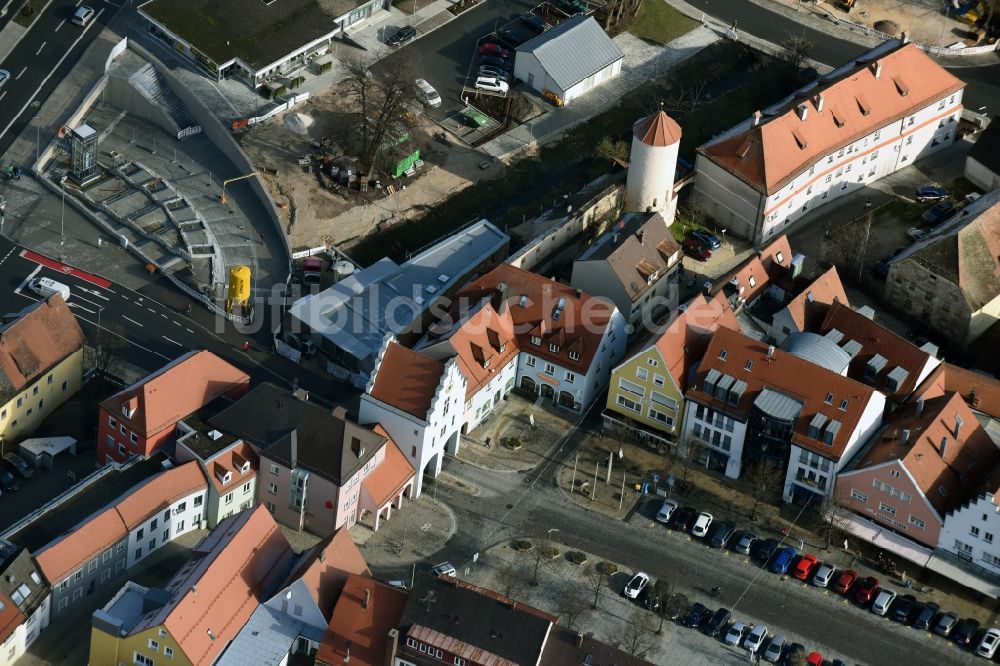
<point>823,575</point>
<point>745,543</point>
<point>666,510</point>
<point>735,634</point>
<point>755,638</point>
<point>774,649</point>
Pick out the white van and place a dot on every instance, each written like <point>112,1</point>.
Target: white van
<point>46,287</point>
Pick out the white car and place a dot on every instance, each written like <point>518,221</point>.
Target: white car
<point>636,585</point>
<point>492,84</point>
<point>755,639</point>
<point>701,525</point>
<point>735,633</point>
<point>823,575</point>
<point>443,569</point>
<point>988,644</point>
<point>883,601</point>
<point>667,510</point>
<point>431,97</point>
<point>4,77</point>
<point>83,15</point>
<point>775,649</point>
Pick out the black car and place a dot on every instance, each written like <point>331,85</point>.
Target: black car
<point>402,36</point>
<point>496,61</point>
<point>696,616</point>
<point>512,36</point>
<point>964,631</point>
<point>925,616</point>
<point>534,23</point>
<point>720,534</point>
<point>683,518</point>
<point>717,621</point>
<point>791,655</point>
<point>764,550</point>
<point>16,464</point>
<point>7,481</point>
<point>904,608</point>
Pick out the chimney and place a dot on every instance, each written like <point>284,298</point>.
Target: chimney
<point>906,435</point>
<point>499,298</point>
<point>974,398</point>
<point>293,445</point>
<point>347,652</point>
<point>958,425</point>
<point>368,597</point>
<point>638,236</point>
<point>819,103</point>
<point>803,111</point>
<point>944,446</point>
<point>756,119</point>
<point>770,351</point>
<point>579,640</point>
<point>920,407</point>
<point>877,69</point>
<point>340,413</point>
<point>391,645</point>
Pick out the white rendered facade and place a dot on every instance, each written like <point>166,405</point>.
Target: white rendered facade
<point>650,179</point>
<point>180,516</point>
<point>485,400</point>
<point>972,532</point>
<point>723,435</point>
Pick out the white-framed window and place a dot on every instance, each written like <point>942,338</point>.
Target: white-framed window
<point>574,356</point>
<point>153,645</point>
<point>274,470</point>
<point>891,510</point>
<point>459,661</point>
<point>658,380</point>
<point>641,373</point>
<point>530,361</point>
<point>140,659</point>
<point>570,377</point>
<point>229,498</point>
<point>860,496</point>
<point>550,369</point>
<point>629,404</point>
<point>272,488</point>
<point>168,652</point>
<point>535,340</point>
<point>162,632</point>
<point>246,487</point>
<point>665,419</point>
<point>411,643</point>
<point>916,522</point>
<point>974,531</point>
<point>554,348</point>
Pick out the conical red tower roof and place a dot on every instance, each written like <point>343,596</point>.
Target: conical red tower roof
<point>657,130</point>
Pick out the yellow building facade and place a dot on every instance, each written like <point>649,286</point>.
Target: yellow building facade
<point>24,412</point>
<point>152,646</point>
<point>644,399</point>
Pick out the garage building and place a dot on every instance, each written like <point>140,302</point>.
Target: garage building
<point>569,60</point>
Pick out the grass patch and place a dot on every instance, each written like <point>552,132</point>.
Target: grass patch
<point>659,23</point>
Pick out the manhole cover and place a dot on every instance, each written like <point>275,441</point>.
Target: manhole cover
<point>425,527</point>
<point>510,506</point>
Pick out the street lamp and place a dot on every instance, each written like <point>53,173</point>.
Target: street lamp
<point>62,221</point>
<point>38,137</point>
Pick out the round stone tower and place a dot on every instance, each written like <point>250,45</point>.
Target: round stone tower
<point>653,162</point>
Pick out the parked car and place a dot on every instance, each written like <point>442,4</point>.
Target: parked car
<point>428,93</point>
<point>945,624</point>
<point>8,482</point>
<point>706,238</point>
<point>402,36</point>
<point>883,601</point>
<point>964,631</point>
<point>867,590</point>
<point>764,550</point>
<point>489,48</point>
<point>493,72</point>
<point>701,525</point>
<point>795,649</point>
<point>506,65</point>
<point>916,234</point>
<point>755,637</point>
<point>782,560</point>
<point>696,616</point>
<point>683,518</point>
<point>845,581</point>
<point>814,659</point>
<point>492,84</point>
<point>512,36</point>
<point>717,621</point>
<point>904,608</point>
<point>988,643</point>
<point>398,584</point>
<point>4,77</point>
<point>666,510</point>
<point>805,566</point>
<point>722,531</point>
<point>775,648</point>
<point>823,576</point>
<point>696,250</point>
<point>17,463</point>
<point>533,22</point>
<point>735,634</point>
<point>743,542</point>
<point>931,193</point>
<point>638,583</point>
<point>937,212</point>
<point>443,569</point>
<point>925,616</point>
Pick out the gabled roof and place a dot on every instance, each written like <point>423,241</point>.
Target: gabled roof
<point>561,649</point>
<point>176,390</point>
<point>159,492</point>
<point>872,91</point>
<point>875,340</point>
<point>84,543</point>
<point>325,568</point>
<point>546,309</point>
<point>406,380</point>
<point>232,460</point>
<point>986,149</point>
<point>786,377</point>
<point>657,130</point>
<point>39,339</point>
<point>391,475</point>
<point>477,343</point>
<point>770,263</point>
<point>809,306</point>
<point>363,626</point>
<point>213,595</point>
<point>914,434</point>
<point>683,342</point>
<point>286,428</point>
<point>573,50</point>
<point>980,392</point>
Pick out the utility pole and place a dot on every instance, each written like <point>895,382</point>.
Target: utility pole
<point>572,487</point>
<point>864,248</point>
<point>62,222</point>
<point>597,468</point>
<point>621,499</point>
<point>611,457</point>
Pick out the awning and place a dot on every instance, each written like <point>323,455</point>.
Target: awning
<point>965,573</point>
<point>883,537</point>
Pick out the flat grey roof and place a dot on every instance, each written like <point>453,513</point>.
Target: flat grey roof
<point>573,50</point>
<point>266,638</point>
<point>778,405</point>
<point>356,313</point>
<point>818,350</point>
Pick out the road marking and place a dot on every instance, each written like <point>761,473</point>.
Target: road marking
<point>173,341</point>
<point>2,94</point>
<point>151,310</point>
<point>92,292</point>
<point>38,52</point>
<point>25,69</point>
<point>48,76</point>
<point>80,307</point>
<point>61,24</point>
<point>134,344</point>
<point>24,284</point>
<point>189,330</point>
<point>132,320</point>
<point>163,315</point>
<point>176,323</point>
<point>13,249</point>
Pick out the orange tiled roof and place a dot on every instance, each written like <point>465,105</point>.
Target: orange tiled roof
<point>825,290</point>
<point>177,390</point>
<point>36,342</point>
<point>683,342</point>
<point>407,380</point>
<point>364,628</point>
<point>479,340</point>
<point>770,263</point>
<point>390,476</point>
<point>854,105</point>
<point>787,374</point>
<point>324,568</point>
<point>230,460</point>
<point>657,130</point>
<point>157,493</point>
<point>87,541</point>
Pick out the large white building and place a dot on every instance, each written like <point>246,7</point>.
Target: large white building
<point>652,166</point>
<point>868,118</point>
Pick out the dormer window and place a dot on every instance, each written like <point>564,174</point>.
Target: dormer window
<point>574,356</point>
<point>244,468</point>
<point>125,411</point>
<point>503,346</point>
<point>535,340</point>
<point>723,354</point>
<point>486,362</point>
<point>554,348</point>
<point>226,477</point>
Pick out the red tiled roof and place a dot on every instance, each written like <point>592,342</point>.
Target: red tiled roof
<point>365,629</point>
<point>684,341</point>
<point>36,342</point>
<point>478,340</point>
<point>770,263</point>
<point>810,303</point>
<point>390,476</point>
<point>657,130</point>
<point>87,541</point>
<point>159,492</point>
<point>177,390</point>
<point>230,460</point>
<point>958,468</point>
<point>407,380</point>
<point>787,374</point>
<point>579,327</point>
<point>324,568</point>
<point>768,156</point>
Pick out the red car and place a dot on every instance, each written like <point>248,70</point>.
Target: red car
<point>695,249</point>
<point>867,590</point>
<point>494,50</point>
<point>814,659</point>
<point>845,581</point>
<point>805,566</point>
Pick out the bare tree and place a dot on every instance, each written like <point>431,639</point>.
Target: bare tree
<point>659,594</point>
<point>794,54</point>
<point>828,520</point>
<point>688,454</point>
<point>843,246</point>
<point>597,579</point>
<point>379,103</point>
<point>637,637</point>
<point>106,356</point>
<point>675,605</point>
<point>511,582</point>
<point>685,100</point>
<point>541,555</point>
<point>572,605</point>
<point>797,658</point>
<point>763,477</point>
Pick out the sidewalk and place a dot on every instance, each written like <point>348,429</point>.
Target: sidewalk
<point>412,533</point>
